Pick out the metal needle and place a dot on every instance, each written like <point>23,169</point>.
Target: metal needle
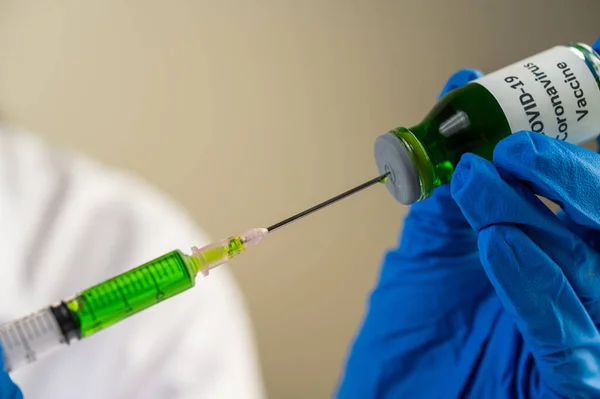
<point>326,203</point>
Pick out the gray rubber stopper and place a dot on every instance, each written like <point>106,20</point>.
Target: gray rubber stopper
<point>392,157</point>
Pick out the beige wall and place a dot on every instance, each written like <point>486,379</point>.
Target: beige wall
<point>248,111</point>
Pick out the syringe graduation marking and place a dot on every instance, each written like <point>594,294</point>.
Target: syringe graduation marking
<point>119,288</point>
<point>29,354</point>
<point>28,329</point>
<point>123,296</point>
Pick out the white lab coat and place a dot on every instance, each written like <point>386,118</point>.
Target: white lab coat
<point>66,223</point>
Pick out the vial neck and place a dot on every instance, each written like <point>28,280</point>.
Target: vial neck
<point>420,158</point>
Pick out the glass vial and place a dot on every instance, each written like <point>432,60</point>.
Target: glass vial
<point>556,92</point>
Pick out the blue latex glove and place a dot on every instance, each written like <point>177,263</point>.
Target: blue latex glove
<point>436,326</point>
<point>8,389</point>
<point>544,267</point>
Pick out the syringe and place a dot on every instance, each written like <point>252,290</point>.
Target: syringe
<point>115,299</point>
<point>25,340</point>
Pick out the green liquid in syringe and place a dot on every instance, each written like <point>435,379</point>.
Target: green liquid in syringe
<point>113,300</point>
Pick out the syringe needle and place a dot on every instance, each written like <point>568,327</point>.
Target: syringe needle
<point>219,252</point>
<point>327,203</point>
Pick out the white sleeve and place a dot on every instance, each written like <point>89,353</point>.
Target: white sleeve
<point>69,224</point>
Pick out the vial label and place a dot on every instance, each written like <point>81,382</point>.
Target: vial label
<point>553,93</point>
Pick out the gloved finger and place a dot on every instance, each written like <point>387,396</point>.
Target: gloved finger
<point>516,234</point>
<point>562,172</point>
<point>590,236</point>
<point>553,322</point>
<point>459,79</point>
<point>486,199</point>
<point>596,47</point>
<point>433,219</point>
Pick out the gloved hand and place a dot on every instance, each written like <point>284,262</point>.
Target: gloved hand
<point>436,327</point>
<point>8,389</point>
<point>544,267</point>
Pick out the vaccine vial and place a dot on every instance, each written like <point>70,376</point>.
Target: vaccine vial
<point>556,93</point>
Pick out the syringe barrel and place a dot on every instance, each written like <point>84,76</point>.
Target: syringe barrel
<point>122,296</point>
<point>23,341</point>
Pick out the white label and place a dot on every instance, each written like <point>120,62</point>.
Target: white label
<point>552,93</point>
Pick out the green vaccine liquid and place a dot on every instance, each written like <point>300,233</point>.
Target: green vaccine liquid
<point>556,93</point>
<point>113,300</point>
<point>137,289</point>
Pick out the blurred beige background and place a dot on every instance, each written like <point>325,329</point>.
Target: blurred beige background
<point>248,111</point>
